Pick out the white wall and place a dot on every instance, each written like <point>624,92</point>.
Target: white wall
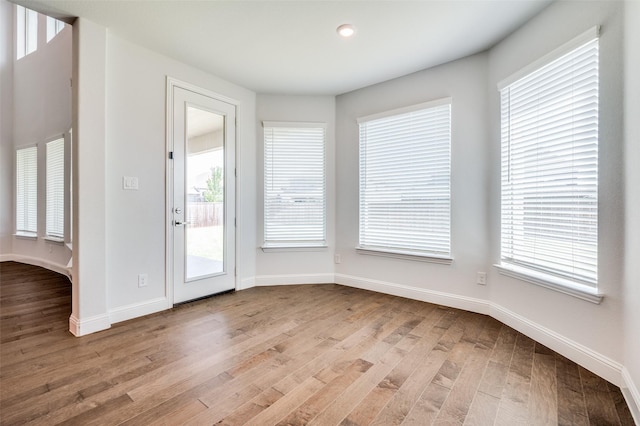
<point>465,81</point>
<point>41,112</point>
<point>135,221</point>
<point>597,327</point>
<point>296,266</point>
<point>6,127</point>
<point>632,199</point>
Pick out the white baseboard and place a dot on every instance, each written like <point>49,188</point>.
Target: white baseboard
<point>631,395</point>
<point>293,279</point>
<point>136,310</point>
<point>452,300</point>
<point>591,360</point>
<point>43,263</point>
<point>246,283</point>
<point>89,325</point>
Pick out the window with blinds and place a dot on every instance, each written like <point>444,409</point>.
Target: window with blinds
<point>550,166</point>
<point>55,189</point>
<point>27,190</point>
<point>405,168</point>
<point>294,184</point>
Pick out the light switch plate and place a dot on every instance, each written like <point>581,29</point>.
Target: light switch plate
<point>129,182</point>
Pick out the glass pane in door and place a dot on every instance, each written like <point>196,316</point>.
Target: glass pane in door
<point>204,194</point>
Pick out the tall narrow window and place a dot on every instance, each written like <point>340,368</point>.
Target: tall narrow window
<point>550,168</point>
<point>27,191</point>
<point>294,184</point>
<point>405,167</point>
<point>26,31</point>
<point>55,189</point>
<point>54,27</point>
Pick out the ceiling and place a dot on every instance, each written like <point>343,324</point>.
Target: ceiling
<point>291,47</point>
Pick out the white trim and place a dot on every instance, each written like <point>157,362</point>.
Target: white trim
<point>289,248</point>
<point>26,235</point>
<point>631,394</point>
<point>295,124</point>
<point>55,240</point>
<point>407,109</point>
<point>294,279</point>
<point>174,82</point>
<point>591,360</point>
<point>578,41</point>
<point>89,325</point>
<point>139,309</point>
<point>452,300</point>
<point>552,283</point>
<point>407,255</point>
<point>246,283</point>
<point>43,263</point>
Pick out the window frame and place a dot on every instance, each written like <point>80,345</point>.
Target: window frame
<point>427,254</point>
<point>273,243</point>
<point>537,273</point>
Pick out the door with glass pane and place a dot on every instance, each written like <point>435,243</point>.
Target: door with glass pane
<point>203,212</point>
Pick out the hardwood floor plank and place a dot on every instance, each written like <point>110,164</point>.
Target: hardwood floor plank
<point>416,372</point>
<point>624,413</point>
<point>483,410</point>
<point>428,406</point>
<point>571,404</point>
<point>350,407</point>
<point>457,404</point>
<point>327,394</point>
<point>543,406</point>
<point>514,404</point>
<point>600,406</point>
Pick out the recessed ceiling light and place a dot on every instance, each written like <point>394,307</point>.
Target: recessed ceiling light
<point>346,30</point>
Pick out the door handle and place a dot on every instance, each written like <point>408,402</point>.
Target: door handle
<point>178,223</point>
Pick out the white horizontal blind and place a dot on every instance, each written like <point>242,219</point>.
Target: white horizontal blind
<point>405,167</point>
<point>294,184</point>
<point>27,189</point>
<point>55,188</point>
<point>550,168</point>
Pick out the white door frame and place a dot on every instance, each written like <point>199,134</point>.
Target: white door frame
<point>172,84</point>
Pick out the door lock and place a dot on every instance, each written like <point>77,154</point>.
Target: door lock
<point>178,223</point>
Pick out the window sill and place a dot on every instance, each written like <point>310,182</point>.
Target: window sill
<point>292,248</point>
<point>553,283</point>
<point>407,255</point>
<point>26,235</point>
<point>56,240</point>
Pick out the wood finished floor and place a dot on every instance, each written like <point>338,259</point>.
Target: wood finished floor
<point>314,354</point>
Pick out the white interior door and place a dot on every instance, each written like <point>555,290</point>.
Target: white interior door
<point>203,212</point>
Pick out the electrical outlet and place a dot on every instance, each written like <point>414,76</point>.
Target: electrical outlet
<point>130,183</point>
<point>337,258</point>
<point>143,280</point>
<point>481,278</point>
